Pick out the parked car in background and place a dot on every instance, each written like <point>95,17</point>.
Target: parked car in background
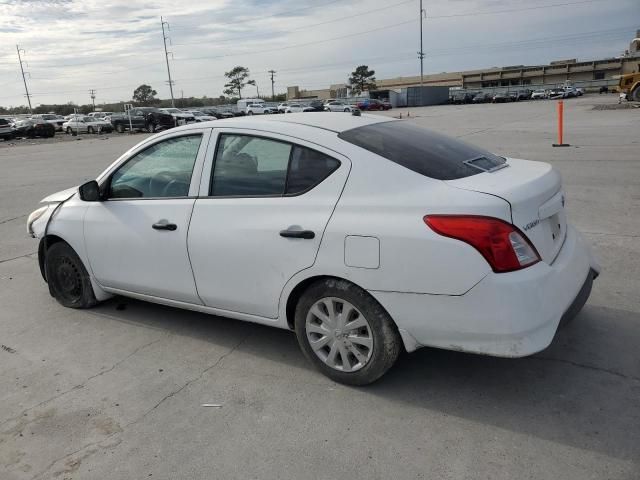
<point>539,94</point>
<point>180,117</point>
<point>461,97</point>
<point>513,96</point>
<point>364,235</point>
<point>524,94</point>
<point>555,93</point>
<point>501,97</point>
<point>369,104</point>
<point>201,116</point>
<point>316,105</point>
<point>87,124</point>
<point>259,109</point>
<point>298,107</point>
<point>100,114</point>
<point>580,91</point>
<point>51,118</point>
<point>283,106</point>
<point>6,130</point>
<point>338,106</point>
<point>603,89</point>
<point>150,119</point>
<point>482,98</point>
<point>243,103</point>
<point>33,127</point>
<point>570,91</point>
<point>217,113</point>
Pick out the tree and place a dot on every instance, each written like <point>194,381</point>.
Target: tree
<point>144,95</point>
<point>362,79</point>
<point>237,80</point>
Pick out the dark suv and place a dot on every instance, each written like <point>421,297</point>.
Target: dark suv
<point>150,119</point>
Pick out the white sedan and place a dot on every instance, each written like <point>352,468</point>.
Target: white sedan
<point>200,116</point>
<point>338,106</point>
<point>364,235</point>
<point>86,124</point>
<point>298,108</point>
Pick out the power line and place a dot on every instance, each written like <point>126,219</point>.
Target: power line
<point>512,10</point>
<point>303,27</point>
<point>166,57</point>
<point>280,14</point>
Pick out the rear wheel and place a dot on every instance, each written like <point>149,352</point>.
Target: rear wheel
<point>68,280</point>
<point>120,128</point>
<point>249,112</point>
<point>68,130</point>
<point>90,130</point>
<point>345,332</point>
<point>151,128</point>
<point>635,95</point>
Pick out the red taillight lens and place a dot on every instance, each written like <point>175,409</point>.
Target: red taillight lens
<point>500,243</point>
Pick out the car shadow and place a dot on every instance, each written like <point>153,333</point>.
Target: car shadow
<point>583,391</point>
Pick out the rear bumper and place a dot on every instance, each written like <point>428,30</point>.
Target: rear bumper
<point>508,315</point>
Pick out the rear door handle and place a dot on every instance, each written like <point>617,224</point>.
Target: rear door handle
<point>306,234</point>
<point>164,225</point>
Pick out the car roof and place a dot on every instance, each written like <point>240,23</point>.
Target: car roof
<point>335,122</point>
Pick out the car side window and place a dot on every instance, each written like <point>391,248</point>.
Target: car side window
<point>162,170</point>
<point>249,166</point>
<point>308,168</point>
<point>254,166</point>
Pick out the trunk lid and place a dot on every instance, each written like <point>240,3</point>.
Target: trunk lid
<point>534,193</point>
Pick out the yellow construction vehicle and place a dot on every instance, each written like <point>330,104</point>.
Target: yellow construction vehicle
<point>630,84</point>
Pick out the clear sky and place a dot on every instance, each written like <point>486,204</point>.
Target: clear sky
<point>113,46</point>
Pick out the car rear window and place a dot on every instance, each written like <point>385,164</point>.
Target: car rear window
<point>423,151</point>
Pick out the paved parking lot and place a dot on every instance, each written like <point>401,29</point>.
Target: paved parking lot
<point>116,392</point>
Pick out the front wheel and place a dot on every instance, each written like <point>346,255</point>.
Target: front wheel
<point>345,332</point>
<point>249,112</point>
<point>635,95</point>
<point>120,128</point>
<point>68,280</point>
<point>90,130</point>
<point>151,128</point>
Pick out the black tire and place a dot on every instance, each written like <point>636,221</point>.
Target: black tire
<point>387,343</point>
<point>151,128</point>
<point>119,128</point>
<point>90,130</point>
<point>635,95</point>
<point>68,131</point>
<point>68,280</point>
<point>249,112</point>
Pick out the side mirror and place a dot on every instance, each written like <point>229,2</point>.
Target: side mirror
<point>90,191</point>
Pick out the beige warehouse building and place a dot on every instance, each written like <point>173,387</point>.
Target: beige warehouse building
<point>590,74</point>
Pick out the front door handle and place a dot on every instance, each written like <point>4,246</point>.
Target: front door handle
<point>306,234</point>
<point>164,225</point>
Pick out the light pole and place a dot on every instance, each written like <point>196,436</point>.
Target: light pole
<point>23,77</point>
<point>166,57</point>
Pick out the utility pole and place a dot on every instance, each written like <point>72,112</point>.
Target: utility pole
<point>421,52</point>
<point>166,57</point>
<point>92,92</point>
<point>23,77</point>
<point>273,94</point>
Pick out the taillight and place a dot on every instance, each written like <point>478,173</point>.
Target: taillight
<point>500,243</point>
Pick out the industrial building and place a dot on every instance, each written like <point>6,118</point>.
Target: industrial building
<point>587,74</point>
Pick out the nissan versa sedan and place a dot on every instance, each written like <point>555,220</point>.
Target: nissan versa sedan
<point>362,234</point>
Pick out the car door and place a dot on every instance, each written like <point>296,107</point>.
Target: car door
<point>138,119</point>
<point>136,238</point>
<point>260,217</point>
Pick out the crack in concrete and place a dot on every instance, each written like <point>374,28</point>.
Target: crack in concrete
<point>13,218</point>
<point>80,385</point>
<point>142,417</point>
<point>189,382</point>
<point>588,367</point>
<point>16,258</point>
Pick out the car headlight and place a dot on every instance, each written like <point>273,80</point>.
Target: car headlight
<point>35,215</point>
